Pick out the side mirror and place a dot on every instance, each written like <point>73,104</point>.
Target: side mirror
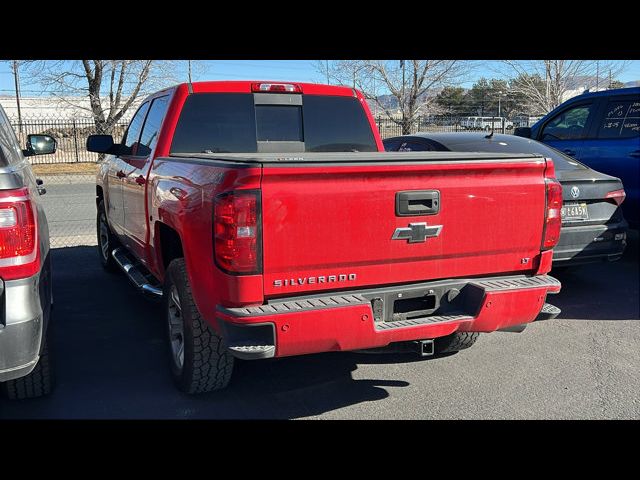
<point>100,143</point>
<point>39,145</point>
<point>41,189</point>
<point>523,132</point>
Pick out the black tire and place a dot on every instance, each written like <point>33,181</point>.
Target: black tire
<point>106,242</point>
<point>455,342</point>
<point>207,365</point>
<point>38,383</point>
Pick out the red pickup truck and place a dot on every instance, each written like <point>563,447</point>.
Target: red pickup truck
<point>270,221</point>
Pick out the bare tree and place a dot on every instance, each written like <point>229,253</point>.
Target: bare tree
<point>111,86</point>
<point>413,84</point>
<point>546,83</point>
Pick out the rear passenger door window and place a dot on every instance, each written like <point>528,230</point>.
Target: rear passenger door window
<point>132,135</point>
<point>570,124</point>
<point>151,129</point>
<point>621,119</point>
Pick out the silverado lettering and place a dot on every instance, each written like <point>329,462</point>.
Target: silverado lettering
<point>284,180</point>
<point>319,279</point>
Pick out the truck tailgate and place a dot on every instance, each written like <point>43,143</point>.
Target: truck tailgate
<point>331,226</point>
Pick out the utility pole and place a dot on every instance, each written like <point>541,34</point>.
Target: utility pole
<point>327,64</point>
<point>551,104</point>
<point>189,71</point>
<point>404,123</point>
<point>16,79</point>
<point>402,99</point>
<point>597,74</point>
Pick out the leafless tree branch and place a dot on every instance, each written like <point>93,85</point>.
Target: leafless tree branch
<point>412,95</point>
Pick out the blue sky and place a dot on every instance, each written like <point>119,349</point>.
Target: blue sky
<point>293,70</point>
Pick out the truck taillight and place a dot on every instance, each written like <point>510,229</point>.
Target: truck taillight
<point>617,196</point>
<point>553,219</point>
<point>276,88</point>
<point>237,232</point>
<point>18,235</point>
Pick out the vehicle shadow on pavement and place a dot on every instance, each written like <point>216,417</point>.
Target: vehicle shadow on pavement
<point>111,362</point>
<point>601,291</point>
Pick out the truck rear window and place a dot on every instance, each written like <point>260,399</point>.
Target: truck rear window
<point>231,123</point>
<point>279,123</point>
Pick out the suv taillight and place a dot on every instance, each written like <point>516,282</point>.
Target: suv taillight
<point>617,196</point>
<point>552,218</point>
<point>237,233</point>
<point>18,235</point>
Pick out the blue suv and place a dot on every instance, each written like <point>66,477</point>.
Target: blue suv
<point>602,130</point>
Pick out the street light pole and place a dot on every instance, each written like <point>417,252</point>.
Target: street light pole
<point>16,79</point>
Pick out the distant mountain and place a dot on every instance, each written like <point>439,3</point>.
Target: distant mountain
<point>391,103</point>
<point>388,101</point>
<point>632,83</point>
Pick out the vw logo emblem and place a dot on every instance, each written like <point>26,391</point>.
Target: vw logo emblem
<point>575,192</point>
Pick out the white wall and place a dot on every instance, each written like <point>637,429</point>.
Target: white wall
<point>61,108</point>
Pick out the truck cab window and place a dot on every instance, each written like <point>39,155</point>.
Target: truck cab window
<point>132,134</point>
<point>149,136</point>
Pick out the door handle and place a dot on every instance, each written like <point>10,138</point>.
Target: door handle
<point>569,152</point>
<point>635,153</point>
<point>120,174</point>
<point>417,202</point>
<point>140,180</point>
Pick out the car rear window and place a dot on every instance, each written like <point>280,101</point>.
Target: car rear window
<point>231,123</point>
<point>560,160</point>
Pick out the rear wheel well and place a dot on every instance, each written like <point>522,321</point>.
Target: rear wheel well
<point>170,245</point>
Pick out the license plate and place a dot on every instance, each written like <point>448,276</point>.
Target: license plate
<point>572,212</point>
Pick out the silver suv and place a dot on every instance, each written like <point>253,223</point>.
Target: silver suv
<point>25,269</point>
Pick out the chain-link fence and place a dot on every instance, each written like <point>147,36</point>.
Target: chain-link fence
<point>70,207</point>
<point>391,127</point>
<point>69,174</point>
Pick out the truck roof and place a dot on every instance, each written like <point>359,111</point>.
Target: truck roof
<point>244,86</point>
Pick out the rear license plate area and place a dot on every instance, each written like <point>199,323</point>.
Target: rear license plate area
<point>574,212</point>
<point>417,307</point>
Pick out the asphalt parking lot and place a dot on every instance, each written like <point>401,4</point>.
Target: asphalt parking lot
<point>111,362</point>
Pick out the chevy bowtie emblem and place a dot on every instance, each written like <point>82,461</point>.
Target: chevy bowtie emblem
<point>416,232</point>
